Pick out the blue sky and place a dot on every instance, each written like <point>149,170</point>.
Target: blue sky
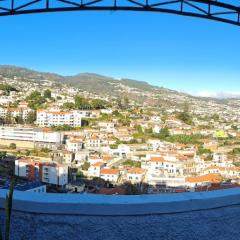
<point>182,53</point>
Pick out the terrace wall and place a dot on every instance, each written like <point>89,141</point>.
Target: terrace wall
<point>208,215</point>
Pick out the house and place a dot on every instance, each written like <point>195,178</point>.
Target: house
<point>95,169</point>
<point>93,142</point>
<point>206,179</point>
<point>46,172</point>
<point>74,145</point>
<point>94,159</point>
<point>109,174</point>
<point>53,173</point>
<point>135,175</point>
<point>159,164</point>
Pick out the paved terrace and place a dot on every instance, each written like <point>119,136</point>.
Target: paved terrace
<point>207,215</point>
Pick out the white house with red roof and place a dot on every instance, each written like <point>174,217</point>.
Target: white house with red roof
<point>109,174</point>
<point>74,145</point>
<point>95,169</point>
<point>135,175</point>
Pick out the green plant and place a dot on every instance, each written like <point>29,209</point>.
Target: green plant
<point>12,146</point>
<point>8,209</point>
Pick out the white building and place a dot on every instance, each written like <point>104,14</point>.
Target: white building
<point>46,172</point>
<point>109,174</point>
<point>159,164</point>
<point>93,142</point>
<point>40,137</point>
<point>54,173</point>
<point>56,118</point>
<point>95,169</point>
<point>74,145</point>
<point>135,175</point>
<point>15,112</point>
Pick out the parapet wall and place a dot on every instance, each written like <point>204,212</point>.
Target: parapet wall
<point>208,215</point>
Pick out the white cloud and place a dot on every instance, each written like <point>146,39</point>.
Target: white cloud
<point>220,95</point>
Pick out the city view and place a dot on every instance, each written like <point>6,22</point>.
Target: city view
<point>94,134</point>
<point>119,119</point>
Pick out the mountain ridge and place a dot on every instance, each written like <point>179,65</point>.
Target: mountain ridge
<point>93,82</point>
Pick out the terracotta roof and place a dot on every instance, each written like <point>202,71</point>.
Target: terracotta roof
<point>98,164</point>
<point>109,171</point>
<point>135,170</point>
<point>157,159</point>
<point>211,177</point>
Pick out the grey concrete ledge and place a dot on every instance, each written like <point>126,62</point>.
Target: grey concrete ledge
<point>101,205</point>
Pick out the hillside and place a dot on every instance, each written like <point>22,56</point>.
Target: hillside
<point>140,92</point>
<point>86,81</point>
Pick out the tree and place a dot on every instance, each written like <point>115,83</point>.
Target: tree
<point>69,105</point>
<point>163,134</point>
<point>34,95</point>
<point>215,117</point>
<point>12,146</point>
<point>3,154</point>
<point>7,88</point>
<point>81,102</point>
<point>47,93</point>
<point>139,129</point>
<point>185,117</point>
<point>202,151</point>
<point>36,100</point>
<point>86,166</point>
<point>8,118</point>
<point>99,104</point>
<point>31,117</point>
<point>19,119</point>
<point>126,102</point>
<point>63,127</point>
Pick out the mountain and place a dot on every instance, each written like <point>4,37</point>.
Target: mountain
<point>141,92</point>
<point>86,81</point>
<point>10,71</point>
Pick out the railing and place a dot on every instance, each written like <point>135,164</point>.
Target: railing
<point>227,11</point>
<point>101,205</point>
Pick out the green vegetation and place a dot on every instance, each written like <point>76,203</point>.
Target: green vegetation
<point>86,166</point>
<point>36,100</point>
<point>63,128</point>
<point>114,146</point>
<point>44,152</point>
<point>7,88</point>
<point>163,134</point>
<point>31,117</point>
<point>80,174</point>
<point>3,154</point>
<point>202,151</point>
<point>132,163</point>
<point>8,209</point>
<point>81,102</point>
<point>12,146</point>
<point>185,139</point>
<point>235,151</point>
<point>185,115</point>
<point>47,94</point>
<point>68,106</point>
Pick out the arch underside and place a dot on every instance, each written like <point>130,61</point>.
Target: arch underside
<point>227,11</point>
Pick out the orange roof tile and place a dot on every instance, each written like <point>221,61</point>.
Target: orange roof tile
<point>109,171</point>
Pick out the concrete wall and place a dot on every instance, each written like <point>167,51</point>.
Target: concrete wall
<point>209,215</point>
